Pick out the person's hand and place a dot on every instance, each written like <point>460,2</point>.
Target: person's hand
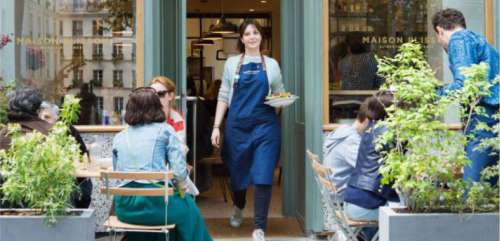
<point>216,137</point>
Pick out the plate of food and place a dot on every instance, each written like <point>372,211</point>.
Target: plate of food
<point>281,99</point>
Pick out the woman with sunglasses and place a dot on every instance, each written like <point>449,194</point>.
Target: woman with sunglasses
<point>165,88</point>
<point>252,134</point>
<point>149,144</point>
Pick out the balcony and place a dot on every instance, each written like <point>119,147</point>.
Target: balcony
<point>97,57</point>
<point>117,57</point>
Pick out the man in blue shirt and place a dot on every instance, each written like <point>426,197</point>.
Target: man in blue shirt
<point>464,49</point>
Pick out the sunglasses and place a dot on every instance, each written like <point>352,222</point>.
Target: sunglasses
<point>162,93</point>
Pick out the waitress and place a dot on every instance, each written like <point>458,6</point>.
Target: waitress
<point>252,134</point>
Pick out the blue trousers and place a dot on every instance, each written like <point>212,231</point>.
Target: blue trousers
<point>262,199</point>
<point>480,159</point>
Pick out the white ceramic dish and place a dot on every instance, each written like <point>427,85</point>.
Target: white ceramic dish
<point>282,102</point>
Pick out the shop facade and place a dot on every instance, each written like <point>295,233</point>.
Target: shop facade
<point>58,45</point>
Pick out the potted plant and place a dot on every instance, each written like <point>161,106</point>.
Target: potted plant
<point>426,159</point>
<point>39,175</point>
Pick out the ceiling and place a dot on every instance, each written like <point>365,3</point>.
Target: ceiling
<point>232,6</point>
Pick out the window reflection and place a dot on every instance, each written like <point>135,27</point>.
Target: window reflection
<point>83,47</point>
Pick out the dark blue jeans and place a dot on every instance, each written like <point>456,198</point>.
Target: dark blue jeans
<point>262,199</point>
<point>480,159</point>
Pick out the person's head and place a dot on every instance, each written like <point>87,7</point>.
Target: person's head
<point>165,88</point>
<point>24,102</point>
<point>361,121</point>
<point>250,35</point>
<point>143,107</point>
<point>445,22</point>
<point>49,112</point>
<point>355,43</point>
<point>375,106</point>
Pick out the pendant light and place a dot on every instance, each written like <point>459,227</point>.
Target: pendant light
<point>221,26</point>
<point>203,42</point>
<point>211,36</point>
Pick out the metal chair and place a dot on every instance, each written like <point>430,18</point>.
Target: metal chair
<point>113,224</point>
<point>334,209</point>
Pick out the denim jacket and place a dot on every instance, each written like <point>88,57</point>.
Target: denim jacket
<point>466,48</point>
<point>149,147</point>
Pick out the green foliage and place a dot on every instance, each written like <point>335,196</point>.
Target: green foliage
<point>40,169</point>
<point>427,156</point>
<point>4,90</point>
<point>70,110</point>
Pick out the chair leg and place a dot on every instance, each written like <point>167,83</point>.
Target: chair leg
<point>375,237</point>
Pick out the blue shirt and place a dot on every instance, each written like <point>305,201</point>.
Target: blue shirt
<point>466,48</point>
<point>148,148</point>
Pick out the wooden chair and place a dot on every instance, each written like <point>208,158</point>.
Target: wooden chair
<point>334,209</point>
<point>112,223</point>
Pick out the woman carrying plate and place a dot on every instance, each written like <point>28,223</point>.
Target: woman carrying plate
<point>252,134</point>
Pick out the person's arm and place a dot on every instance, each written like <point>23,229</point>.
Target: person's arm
<point>175,154</point>
<point>222,104</point>
<point>460,54</point>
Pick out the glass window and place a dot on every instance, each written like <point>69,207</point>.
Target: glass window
<point>69,48</point>
<point>118,78</point>
<point>77,28</point>
<point>118,104</point>
<point>360,30</point>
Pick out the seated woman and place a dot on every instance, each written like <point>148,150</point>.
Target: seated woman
<point>165,88</point>
<point>364,194</point>
<point>149,144</point>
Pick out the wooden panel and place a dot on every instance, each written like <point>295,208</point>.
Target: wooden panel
<point>139,64</point>
<point>326,57</point>
<point>488,21</point>
<point>99,128</point>
<point>137,175</point>
<point>115,223</point>
<point>150,192</point>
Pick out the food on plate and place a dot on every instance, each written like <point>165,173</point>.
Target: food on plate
<point>279,95</point>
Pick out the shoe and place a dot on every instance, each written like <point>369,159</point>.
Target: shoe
<point>258,235</point>
<point>237,218</point>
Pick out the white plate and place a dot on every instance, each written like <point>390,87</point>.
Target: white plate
<point>282,102</point>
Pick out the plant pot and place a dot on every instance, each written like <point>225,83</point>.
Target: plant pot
<point>398,226</point>
<point>80,227</point>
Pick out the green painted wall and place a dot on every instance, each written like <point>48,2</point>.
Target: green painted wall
<point>302,123</point>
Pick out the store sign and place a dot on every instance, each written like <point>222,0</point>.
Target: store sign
<point>57,43</point>
<point>395,42</point>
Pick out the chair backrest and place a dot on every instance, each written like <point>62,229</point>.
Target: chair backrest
<point>161,190</point>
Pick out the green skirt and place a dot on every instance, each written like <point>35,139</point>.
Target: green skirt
<point>183,212</point>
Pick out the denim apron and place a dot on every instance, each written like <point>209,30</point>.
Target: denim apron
<point>252,134</point>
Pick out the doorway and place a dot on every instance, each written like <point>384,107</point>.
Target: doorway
<point>206,54</point>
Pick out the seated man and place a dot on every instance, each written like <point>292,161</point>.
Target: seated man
<point>340,150</point>
<point>364,194</point>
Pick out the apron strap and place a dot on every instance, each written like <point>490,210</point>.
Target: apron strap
<point>238,67</point>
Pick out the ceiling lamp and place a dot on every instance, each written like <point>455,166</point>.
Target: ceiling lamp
<point>203,42</point>
<point>221,26</point>
<point>211,36</point>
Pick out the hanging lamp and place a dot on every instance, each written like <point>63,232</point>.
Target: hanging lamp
<point>222,26</point>
<point>211,36</point>
<point>203,42</point>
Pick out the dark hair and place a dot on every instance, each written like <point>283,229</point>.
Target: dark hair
<point>363,109</point>
<point>376,105</point>
<point>448,19</point>
<point>24,102</point>
<point>243,27</point>
<point>143,107</point>
<point>355,43</point>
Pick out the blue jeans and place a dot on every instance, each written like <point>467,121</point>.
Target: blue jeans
<point>480,159</point>
<point>262,199</point>
<point>356,212</point>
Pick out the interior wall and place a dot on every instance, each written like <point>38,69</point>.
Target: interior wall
<point>234,6</point>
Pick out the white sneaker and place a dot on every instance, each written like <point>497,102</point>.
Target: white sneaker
<point>258,235</point>
<point>237,218</point>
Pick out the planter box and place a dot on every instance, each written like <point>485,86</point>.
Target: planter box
<point>68,228</point>
<point>394,226</point>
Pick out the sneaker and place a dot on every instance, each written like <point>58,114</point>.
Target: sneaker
<point>258,235</point>
<point>237,218</point>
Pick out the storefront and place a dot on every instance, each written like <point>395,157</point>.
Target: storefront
<point>61,45</point>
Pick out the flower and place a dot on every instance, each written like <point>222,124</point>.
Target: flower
<point>4,40</point>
